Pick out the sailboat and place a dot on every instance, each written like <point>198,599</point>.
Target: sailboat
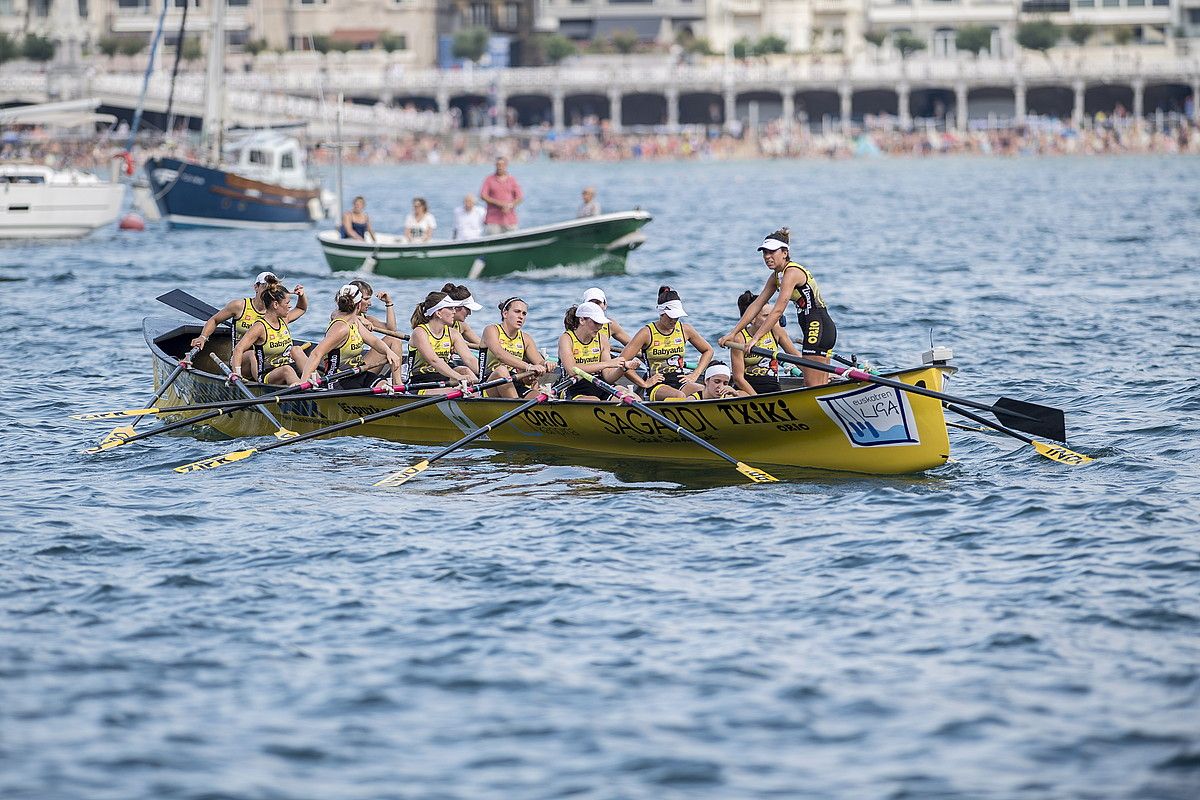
<point>257,181</point>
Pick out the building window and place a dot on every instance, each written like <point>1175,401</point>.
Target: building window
<point>1085,3</point>
<point>1194,16</point>
<point>1162,2</point>
<point>259,157</point>
<point>287,161</point>
<point>481,15</point>
<point>1135,3</point>
<point>133,6</point>
<point>237,3</point>
<point>943,42</point>
<point>1111,3</point>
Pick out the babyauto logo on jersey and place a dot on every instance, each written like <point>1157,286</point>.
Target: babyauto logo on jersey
<point>877,416</point>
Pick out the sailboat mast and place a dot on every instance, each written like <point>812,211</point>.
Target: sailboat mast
<point>214,101</point>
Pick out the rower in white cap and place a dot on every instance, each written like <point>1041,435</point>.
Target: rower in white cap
<point>612,328</point>
<point>584,345</point>
<point>246,311</point>
<point>434,341</point>
<point>716,385</point>
<point>664,344</point>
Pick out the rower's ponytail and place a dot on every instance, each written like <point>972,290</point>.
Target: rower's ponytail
<point>570,321</point>
<point>666,294</point>
<point>273,293</point>
<point>745,299</point>
<point>418,316</point>
<point>782,235</point>
<point>456,291</point>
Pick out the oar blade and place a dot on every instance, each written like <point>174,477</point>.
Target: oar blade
<point>130,412</point>
<point>116,437</point>
<point>404,475</point>
<point>213,463</point>
<point>1037,420</point>
<point>1061,454</point>
<point>284,433</point>
<point>755,474</point>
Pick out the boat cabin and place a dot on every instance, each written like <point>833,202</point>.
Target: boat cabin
<point>269,157</point>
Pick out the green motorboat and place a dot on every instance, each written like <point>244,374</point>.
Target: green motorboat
<point>599,243</point>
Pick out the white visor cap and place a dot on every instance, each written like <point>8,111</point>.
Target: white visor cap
<point>771,245</point>
<point>470,303</point>
<point>445,302</point>
<point>717,369</point>
<point>262,278</point>
<point>672,308</point>
<point>591,311</point>
<point>594,295</point>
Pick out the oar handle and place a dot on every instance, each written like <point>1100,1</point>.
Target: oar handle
<point>245,390</point>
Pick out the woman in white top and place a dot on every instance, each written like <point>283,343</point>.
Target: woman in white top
<point>420,224</point>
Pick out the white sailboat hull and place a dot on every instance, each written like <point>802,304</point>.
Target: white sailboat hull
<point>57,211</point>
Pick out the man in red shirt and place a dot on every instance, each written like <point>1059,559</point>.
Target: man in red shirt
<point>502,194</point>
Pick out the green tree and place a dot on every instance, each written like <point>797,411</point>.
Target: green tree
<point>556,47</point>
<point>817,33</point>
<point>342,46</point>
<point>624,42</point>
<point>8,48</point>
<point>973,38</point>
<point>1122,34</point>
<point>391,42</point>
<point>1039,34</point>
<point>256,46</point>
<point>131,46</point>
<point>876,38</point>
<point>1080,32</point>
<point>907,44</point>
<point>770,44</point>
<point>38,48</point>
<point>741,48</point>
<point>192,50</point>
<point>109,45</point>
<point>320,43</point>
<point>471,43</point>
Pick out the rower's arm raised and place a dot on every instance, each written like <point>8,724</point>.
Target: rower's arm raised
<point>210,326</point>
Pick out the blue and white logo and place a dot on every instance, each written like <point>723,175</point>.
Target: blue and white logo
<point>874,416</point>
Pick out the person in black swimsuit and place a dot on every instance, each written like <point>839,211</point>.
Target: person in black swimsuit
<point>355,222</point>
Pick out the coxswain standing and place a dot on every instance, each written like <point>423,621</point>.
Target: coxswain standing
<point>345,343</point>
<point>793,283</point>
<point>248,310</point>
<point>276,359</point>
<point>511,350</point>
<point>664,343</point>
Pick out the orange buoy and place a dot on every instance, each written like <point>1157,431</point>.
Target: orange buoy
<point>132,222</point>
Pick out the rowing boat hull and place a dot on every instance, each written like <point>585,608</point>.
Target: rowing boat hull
<point>599,244</point>
<point>850,427</point>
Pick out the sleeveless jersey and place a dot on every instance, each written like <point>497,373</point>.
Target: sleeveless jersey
<point>276,351</point>
<point>585,353</point>
<point>664,353</point>
<point>807,297</point>
<point>442,346</point>
<point>514,347</point>
<point>243,321</point>
<point>760,365</point>
<point>350,352</point>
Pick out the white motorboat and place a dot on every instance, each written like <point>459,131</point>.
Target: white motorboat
<point>40,202</point>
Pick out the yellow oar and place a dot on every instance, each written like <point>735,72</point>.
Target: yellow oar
<point>123,432</point>
<point>753,473</point>
<point>1054,452</point>
<point>280,431</point>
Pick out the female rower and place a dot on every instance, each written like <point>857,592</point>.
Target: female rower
<point>583,345</point>
<point>511,350</point>
<point>355,222</point>
<point>345,343</point>
<point>434,341</point>
<point>664,343</point>
<point>755,374</point>
<point>467,304</point>
<point>793,283</point>
<point>248,310</point>
<point>716,385</point>
<point>612,328</point>
<point>276,359</point>
<point>383,328</point>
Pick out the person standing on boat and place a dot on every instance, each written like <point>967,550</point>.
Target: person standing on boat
<point>355,222</point>
<point>468,219</point>
<point>347,338</point>
<point>612,328</point>
<point>245,311</point>
<point>511,350</point>
<point>463,295</point>
<point>276,359</point>
<point>755,374</point>
<point>420,224</point>
<point>584,345</point>
<point>434,341</point>
<point>793,283</point>
<point>502,194</point>
<point>589,207</point>
<point>664,343</point>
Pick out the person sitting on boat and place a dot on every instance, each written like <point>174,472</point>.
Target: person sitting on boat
<point>468,219</point>
<point>502,194</point>
<point>612,328</point>
<point>344,346</point>
<point>355,222</point>
<point>793,283</point>
<point>276,359</point>
<point>245,311</point>
<point>468,304</point>
<point>420,224</point>
<point>755,374</point>
<point>589,207</point>
<point>387,325</point>
<point>583,344</point>
<point>664,343</point>
<point>511,350</point>
<point>433,342</point>
<point>716,385</point>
